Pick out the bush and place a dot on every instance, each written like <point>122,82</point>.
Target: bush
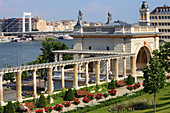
<point>1,109</point>
<point>48,99</point>
<point>9,108</point>
<point>105,95</point>
<point>69,95</point>
<point>130,80</point>
<point>42,101</point>
<point>55,96</point>
<point>16,106</point>
<point>112,84</point>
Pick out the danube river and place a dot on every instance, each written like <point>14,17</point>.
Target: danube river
<point>14,53</point>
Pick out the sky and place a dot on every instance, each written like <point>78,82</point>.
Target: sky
<point>93,10</point>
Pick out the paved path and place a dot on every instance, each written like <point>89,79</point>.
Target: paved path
<point>120,92</point>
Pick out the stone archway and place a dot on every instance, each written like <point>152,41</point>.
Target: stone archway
<point>143,58</point>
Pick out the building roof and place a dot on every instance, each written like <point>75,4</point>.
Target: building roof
<point>118,23</point>
<point>163,9</point>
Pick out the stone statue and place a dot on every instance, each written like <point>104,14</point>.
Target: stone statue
<point>109,19</point>
<point>80,18</point>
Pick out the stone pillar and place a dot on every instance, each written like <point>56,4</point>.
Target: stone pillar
<point>56,60</point>
<point>107,70</point>
<point>49,81</point>
<point>75,76</point>
<point>87,74</point>
<point>124,67</point>
<point>116,70</point>
<point>34,83</point>
<point>1,90</point>
<point>62,77</point>
<point>133,66</point>
<point>18,86</point>
<point>60,58</point>
<point>97,71</point>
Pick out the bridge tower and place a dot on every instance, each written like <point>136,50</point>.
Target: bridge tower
<point>23,21</point>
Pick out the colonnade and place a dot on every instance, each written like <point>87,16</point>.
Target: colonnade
<point>75,75</point>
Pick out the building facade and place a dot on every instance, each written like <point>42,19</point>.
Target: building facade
<point>160,17</point>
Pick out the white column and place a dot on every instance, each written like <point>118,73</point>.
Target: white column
<point>107,70</point>
<point>124,67</point>
<point>49,81</point>
<point>1,90</point>
<point>97,72</point>
<point>60,58</point>
<point>75,76</point>
<point>133,67</point>
<point>34,83</point>
<point>18,86</point>
<point>55,60</point>
<point>23,22</point>
<point>87,74</point>
<point>30,23</point>
<point>62,77</point>
<point>116,73</point>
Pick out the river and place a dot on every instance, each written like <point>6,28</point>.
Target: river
<point>14,53</point>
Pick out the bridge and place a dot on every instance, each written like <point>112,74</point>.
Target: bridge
<point>50,66</point>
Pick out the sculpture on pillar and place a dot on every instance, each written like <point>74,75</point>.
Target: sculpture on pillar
<point>80,18</point>
<point>109,19</point>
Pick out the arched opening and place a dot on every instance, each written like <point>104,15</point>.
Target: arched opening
<point>143,58</point>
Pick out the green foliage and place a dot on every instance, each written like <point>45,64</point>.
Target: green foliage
<point>105,95</point>
<point>55,96</point>
<point>130,80</point>
<point>24,73</point>
<point>164,56</point>
<point>48,99</point>
<point>42,101</point>
<point>9,76</point>
<point>69,95</point>
<point>112,84</point>
<point>1,109</point>
<point>9,108</point>
<point>16,105</point>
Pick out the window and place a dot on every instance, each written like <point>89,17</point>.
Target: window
<point>159,17</point>
<point>89,47</point>
<point>168,30</point>
<point>152,17</point>
<point>159,30</point>
<point>162,17</point>
<point>155,17</point>
<point>156,24</point>
<point>168,23</point>
<point>162,30</point>
<point>165,17</point>
<point>165,30</point>
<point>107,48</point>
<point>168,17</point>
<point>160,24</point>
<point>165,24</point>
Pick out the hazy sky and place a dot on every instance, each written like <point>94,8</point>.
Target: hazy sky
<point>93,10</point>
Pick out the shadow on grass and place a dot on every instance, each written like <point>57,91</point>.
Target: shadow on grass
<point>165,98</point>
<point>156,110</point>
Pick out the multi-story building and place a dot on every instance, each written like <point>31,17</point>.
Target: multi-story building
<point>40,24</point>
<point>160,17</point>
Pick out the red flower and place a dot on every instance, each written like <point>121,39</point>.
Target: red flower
<point>112,92</point>
<point>91,96</point>
<point>86,99</point>
<point>58,107</point>
<point>99,96</point>
<point>66,104</point>
<point>76,101</point>
<point>39,111</point>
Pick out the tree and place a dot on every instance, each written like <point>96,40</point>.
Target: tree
<point>164,56</point>
<point>9,108</point>
<point>1,109</point>
<point>112,84</point>
<point>154,75</point>
<point>130,80</point>
<point>69,95</point>
<point>24,73</point>
<point>42,101</point>
<point>9,76</point>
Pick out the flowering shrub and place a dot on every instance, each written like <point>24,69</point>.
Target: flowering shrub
<point>48,109</point>
<point>58,107</point>
<point>39,111</point>
<point>76,101</point>
<point>66,104</point>
<point>167,76</point>
<point>129,87</point>
<point>112,92</point>
<point>86,99</point>
<point>91,96</point>
<point>143,83</point>
<point>137,85</point>
<point>99,96</point>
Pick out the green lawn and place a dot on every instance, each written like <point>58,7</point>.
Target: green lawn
<point>163,103</point>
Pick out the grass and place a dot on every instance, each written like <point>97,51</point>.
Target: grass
<point>162,100</point>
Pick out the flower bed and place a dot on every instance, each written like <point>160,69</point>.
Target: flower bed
<point>39,111</point>
<point>99,96</point>
<point>112,92</point>
<point>58,107</point>
<point>48,109</point>
<point>86,99</point>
